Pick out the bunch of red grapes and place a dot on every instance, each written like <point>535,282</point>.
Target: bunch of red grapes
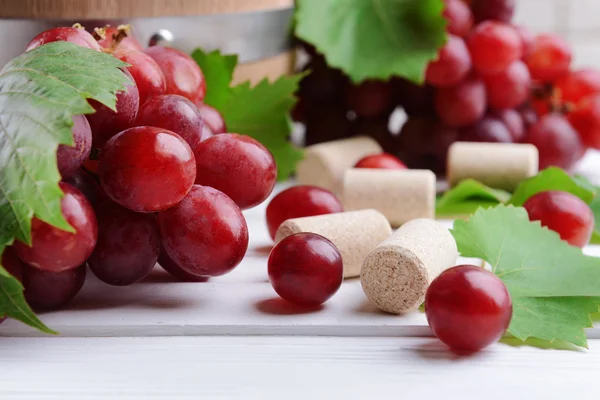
<point>492,82</point>
<point>157,180</point>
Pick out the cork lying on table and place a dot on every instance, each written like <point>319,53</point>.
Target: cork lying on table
<point>354,233</point>
<point>499,165</point>
<point>324,164</point>
<point>400,195</point>
<point>396,274</point>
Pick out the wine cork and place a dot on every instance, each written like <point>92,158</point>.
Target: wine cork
<point>400,195</point>
<point>354,233</point>
<point>499,165</point>
<point>396,274</point>
<point>324,164</point>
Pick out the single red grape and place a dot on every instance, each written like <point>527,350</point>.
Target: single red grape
<point>213,120</point>
<point>586,121</point>
<point>305,269</point>
<point>205,234</point>
<point>11,263</point>
<point>577,85</point>
<point>549,59</point>
<point>146,73</point>
<point>172,268</point>
<point>494,46</point>
<point>489,129</point>
<point>497,10</point>
<point>238,166</point>
<point>73,35</point>
<point>106,123</point>
<point>45,290</point>
<point>71,158</point>
<point>300,201</point>
<point>184,76</point>
<point>527,39</point>
<point>468,308</point>
<point>452,65</point>
<point>147,169</point>
<point>557,141</point>
<point>459,17</point>
<point>175,113</point>
<point>119,40</point>
<point>463,104</point>
<point>56,250</point>
<point>563,213</point>
<point>509,88</point>
<point>128,245</point>
<point>514,122</point>
<point>88,186</point>
<point>380,161</point>
<point>370,99</point>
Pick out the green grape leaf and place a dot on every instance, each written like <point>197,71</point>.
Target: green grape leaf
<point>595,206</point>
<point>218,74</point>
<point>40,92</point>
<point>374,39</point>
<point>467,197</point>
<point>552,178</point>
<point>547,278</point>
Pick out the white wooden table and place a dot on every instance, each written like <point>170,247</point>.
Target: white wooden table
<point>232,337</point>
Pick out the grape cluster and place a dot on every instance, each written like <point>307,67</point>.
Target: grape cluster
<point>492,81</point>
<point>157,179</point>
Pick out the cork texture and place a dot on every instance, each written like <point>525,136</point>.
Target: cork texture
<point>354,233</point>
<point>499,165</point>
<point>400,195</point>
<point>396,274</point>
<point>324,164</point>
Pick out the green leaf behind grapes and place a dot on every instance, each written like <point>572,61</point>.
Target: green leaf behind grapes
<point>467,197</point>
<point>218,74</point>
<point>40,92</point>
<point>374,38</point>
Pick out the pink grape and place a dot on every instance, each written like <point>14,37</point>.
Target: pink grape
<point>462,105</point>
<point>452,65</point>
<point>459,17</point>
<point>71,158</point>
<point>73,35</point>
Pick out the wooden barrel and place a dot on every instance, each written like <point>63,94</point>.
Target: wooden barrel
<point>258,31</point>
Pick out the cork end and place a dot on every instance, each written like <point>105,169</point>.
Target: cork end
<point>286,229</point>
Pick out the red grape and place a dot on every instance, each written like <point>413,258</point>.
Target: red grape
<point>184,77</point>
<point>45,290</point>
<point>128,245</point>
<point>11,263</point>
<point>498,10</point>
<point>452,65</point>
<point>527,39</point>
<point>206,233</point>
<point>328,123</point>
<point>380,161</point>
<point>462,105</point>
<point>586,121</point>
<point>119,40</point>
<point>514,122</point>
<point>549,59</point>
<point>56,250</point>
<point>468,308</point>
<point>323,85</point>
<point>417,101</point>
<point>70,158</point>
<point>213,120</point>
<point>238,166</point>
<point>87,185</point>
<point>305,269</point>
<point>106,123</point>
<point>489,129</point>
<point>563,213</point>
<point>370,99</point>
<point>529,115</point>
<point>147,169</point>
<point>73,35</point>
<point>300,201</point>
<point>494,46</point>
<point>509,88</point>
<point>459,17</point>
<point>146,73</point>
<point>556,141</point>
<point>577,85</point>
<point>175,113</point>
<point>172,268</point>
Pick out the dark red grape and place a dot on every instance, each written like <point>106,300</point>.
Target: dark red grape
<point>146,73</point>
<point>497,10</point>
<point>73,35</point>
<point>128,245</point>
<point>213,120</point>
<point>238,166</point>
<point>300,201</point>
<point>488,129</point>
<point>380,161</point>
<point>577,85</point>
<point>564,213</point>
<point>557,141</point>
<point>71,158</point>
<point>56,250</point>
<point>468,308</point>
<point>452,65</point>
<point>326,124</point>
<point>206,233</point>
<point>375,128</point>
<point>45,290</point>
<point>11,263</point>
<point>175,113</point>
<point>459,17</point>
<point>172,268</point>
<point>106,123</point>
<point>462,105</point>
<point>586,121</point>
<point>370,99</point>
<point>184,77</point>
<point>509,88</point>
<point>305,269</point>
<point>550,58</point>
<point>118,40</point>
<point>529,115</point>
<point>322,84</point>
<point>417,101</point>
<point>494,46</point>
<point>147,169</point>
<point>87,184</point>
<point>514,122</point>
